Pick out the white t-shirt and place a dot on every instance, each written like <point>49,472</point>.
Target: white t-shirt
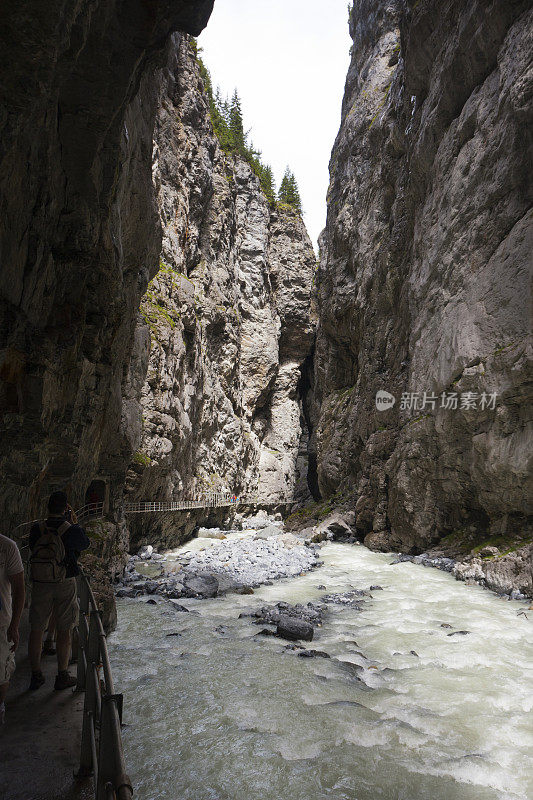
<point>10,564</point>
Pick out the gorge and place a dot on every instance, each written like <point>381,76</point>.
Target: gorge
<point>166,331</point>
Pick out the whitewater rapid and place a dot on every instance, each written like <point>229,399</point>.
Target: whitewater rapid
<point>401,710</point>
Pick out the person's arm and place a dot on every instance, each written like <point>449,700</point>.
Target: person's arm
<point>76,539</point>
<point>18,594</point>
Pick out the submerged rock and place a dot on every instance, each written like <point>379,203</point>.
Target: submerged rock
<point>313,654</point>
<point>294,629</point>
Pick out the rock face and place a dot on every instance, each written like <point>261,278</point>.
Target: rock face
<point>79,234</point>
<point>424,275</point>
<point>225,325</point>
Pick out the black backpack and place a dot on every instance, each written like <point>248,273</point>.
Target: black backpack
<point>47,560</point>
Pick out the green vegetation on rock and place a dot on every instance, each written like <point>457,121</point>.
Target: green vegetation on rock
<point>228,125</point>
<point>289,193</point>
<point>141,458</point>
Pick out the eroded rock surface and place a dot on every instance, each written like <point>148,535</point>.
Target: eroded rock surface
<point>79,233</point>
<point>425,274</point>
<point>226,324</point>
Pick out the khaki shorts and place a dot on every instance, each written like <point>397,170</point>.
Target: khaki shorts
<point>7,658</point>
<point>57,597</point>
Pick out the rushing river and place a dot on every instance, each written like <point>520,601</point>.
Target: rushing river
<point>401,711</point>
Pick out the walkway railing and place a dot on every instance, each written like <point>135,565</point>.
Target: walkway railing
<point>101,742</point>
<point>213,500</point>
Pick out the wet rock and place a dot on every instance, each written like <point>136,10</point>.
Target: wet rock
<point>205,586</point>
<point>375,588</point>
<point>145,553</point>
<point>129,591</point>
<point>321,587</point>
<point>458,633</point>
<point>174,633</point>
<point>151,601</point>
<point>352,598</point>
<point>310,613</point>
<point>446,625</point>
<point>178,607</point>
<point>414,653</point>
<point>175,592</point>
<point>313,654</point>
<point>222,629</point>
<point>294,629</point>
<point>335,526</point>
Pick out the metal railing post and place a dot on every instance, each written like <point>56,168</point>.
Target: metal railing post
<point>111,770</point>
<point>83,630</point>
<point>90,706</point>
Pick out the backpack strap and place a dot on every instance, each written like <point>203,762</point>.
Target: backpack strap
<point>63,528</point>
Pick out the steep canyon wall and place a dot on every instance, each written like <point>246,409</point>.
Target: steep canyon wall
<point>79,234</point>
<point>225,325</point>
<point>425,274</point>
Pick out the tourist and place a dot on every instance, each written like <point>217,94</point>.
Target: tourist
<point>11,605</point>
<point>55,546</point>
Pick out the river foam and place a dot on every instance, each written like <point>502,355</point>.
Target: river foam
<point>401,710</point>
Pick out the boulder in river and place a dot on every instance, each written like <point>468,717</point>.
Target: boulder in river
<point>294,629</point>
<point>201,586</point>
<point>340,525</point>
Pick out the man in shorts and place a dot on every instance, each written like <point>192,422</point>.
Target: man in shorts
<point>55,545</point>
<point>11,605</point>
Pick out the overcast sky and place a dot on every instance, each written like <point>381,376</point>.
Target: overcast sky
<point>288,60</point>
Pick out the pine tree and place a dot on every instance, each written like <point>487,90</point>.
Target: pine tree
<point>228,126</point>
<point>289,193</point>
<point>266,178</point>
<point>235,124</point>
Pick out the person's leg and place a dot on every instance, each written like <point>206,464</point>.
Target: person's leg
<point>66,615</point>
<point>35,646</point>
<point>40,611</point>
<point>49,647</point>
<point>63,649</point>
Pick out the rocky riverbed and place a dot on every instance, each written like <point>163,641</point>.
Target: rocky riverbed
<point>363,678</point>
<point>217,562</point>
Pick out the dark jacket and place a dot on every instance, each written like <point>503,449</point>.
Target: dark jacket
<point>74,540</point>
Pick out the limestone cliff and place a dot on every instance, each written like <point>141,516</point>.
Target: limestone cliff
<point>424,276</point>
<point>225,325</point>
<point>79,233</point>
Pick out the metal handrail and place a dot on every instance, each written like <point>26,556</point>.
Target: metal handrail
<point>93,510</point>
<point>101,753</point>
<point>209,500</point>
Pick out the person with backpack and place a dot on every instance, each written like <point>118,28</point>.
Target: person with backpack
<point>55,545</point>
